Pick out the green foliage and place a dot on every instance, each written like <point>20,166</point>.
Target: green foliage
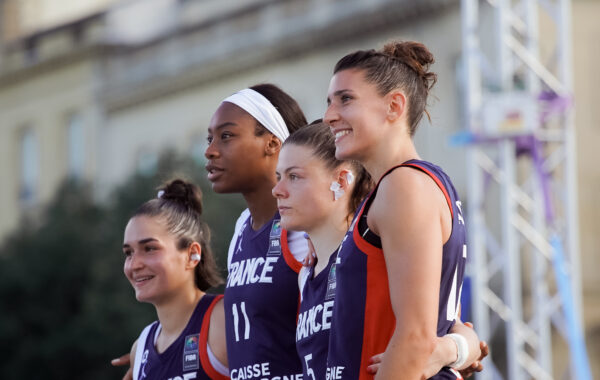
<point>66,308</point>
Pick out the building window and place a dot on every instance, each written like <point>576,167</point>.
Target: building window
<point>29,167</point>
<point>76,146</point>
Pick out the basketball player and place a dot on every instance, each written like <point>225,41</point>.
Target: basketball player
<point>319,194</point>
<point>261,296</point>
<point>169,263</point>
<point>400,268</point>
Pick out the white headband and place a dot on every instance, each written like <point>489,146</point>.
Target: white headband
<point>262,110</point>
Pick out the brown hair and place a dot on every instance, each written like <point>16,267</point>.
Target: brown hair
<point>399,65</point>
<point>288,108</point>
<point>180,206</point>
<point>318,137</point>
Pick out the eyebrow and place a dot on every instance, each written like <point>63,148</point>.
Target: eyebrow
<point>291,168</point>
<point>223,125</point>
<point>143,241</point>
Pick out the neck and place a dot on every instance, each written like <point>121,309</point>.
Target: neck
<point>327,237</point>
<point>175,313</point>
<point>262,204</point>
<point>389,153</point>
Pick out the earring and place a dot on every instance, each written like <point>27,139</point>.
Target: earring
<point>336,187</point>
<point>350,177</point>
<point>195,257</point>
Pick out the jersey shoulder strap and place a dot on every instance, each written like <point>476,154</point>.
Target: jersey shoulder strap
<point>139,350</point>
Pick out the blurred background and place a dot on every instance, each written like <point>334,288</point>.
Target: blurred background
<point>102,100</point>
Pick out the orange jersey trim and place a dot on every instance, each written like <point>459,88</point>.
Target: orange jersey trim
<point>289,258</point>
<point>204,360</point>
<point>438,182</point>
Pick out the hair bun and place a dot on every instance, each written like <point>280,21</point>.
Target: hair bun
<point>416,56</point>
<point>184,193</point>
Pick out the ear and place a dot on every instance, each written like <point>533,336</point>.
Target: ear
<point>273,145</point>
<point>396,105</point>
<point>194,249</point>
<point>345,178</point>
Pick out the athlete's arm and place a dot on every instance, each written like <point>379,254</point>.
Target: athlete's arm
<point>408,214</point>
<point>216,332</point>
<point>445,353</point>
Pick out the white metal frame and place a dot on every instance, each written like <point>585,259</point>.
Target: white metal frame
<point>513,233</point>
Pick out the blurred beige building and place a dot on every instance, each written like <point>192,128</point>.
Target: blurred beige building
<point>96,89</point>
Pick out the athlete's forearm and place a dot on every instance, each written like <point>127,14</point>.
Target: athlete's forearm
<point>406,355</point>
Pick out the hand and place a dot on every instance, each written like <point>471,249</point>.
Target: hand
<point>122,361</point>
<point>311,257</point>
<point>375,363</point>
<point>476,366</point>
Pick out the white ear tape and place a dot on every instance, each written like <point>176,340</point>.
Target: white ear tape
<point>195,257</point>
<point>350,177</point>
<point>336,187</point>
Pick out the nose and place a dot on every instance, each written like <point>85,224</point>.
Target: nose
<point>279,190</point>
<point>133,263</point>
<point>331,115</point>
<point>211,151</point>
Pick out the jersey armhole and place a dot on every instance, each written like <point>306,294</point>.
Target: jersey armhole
<point>203,344</point>
<point>289,258</point>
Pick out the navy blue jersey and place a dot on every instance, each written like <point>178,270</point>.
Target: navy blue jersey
<point>363,319</point>
<point>187,357</point>
<point>314,319</point>
<point>261,304</point>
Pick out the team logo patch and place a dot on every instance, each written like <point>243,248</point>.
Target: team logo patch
<point>274,239</point>
<point>330,294</point>
<point>191,358</point>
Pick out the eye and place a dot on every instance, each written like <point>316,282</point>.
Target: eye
<point>150,248</point>
<point>293,176</point>
<point>345,98</point>
<point>226,135</point>
<point>278,176</point>
<point>209,139</point>
<point>127,253</point>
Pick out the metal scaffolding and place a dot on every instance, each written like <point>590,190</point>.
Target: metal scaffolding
<point>522,189</point>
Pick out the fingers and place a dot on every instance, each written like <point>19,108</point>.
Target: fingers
<point>375,363</point>
<point>485,350</point>
<point>121,361</point>
<point>468,324</point>
<point>310,259</point>
<point>128,375</point>
<point>373,368</point>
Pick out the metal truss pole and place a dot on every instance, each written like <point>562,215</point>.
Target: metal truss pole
<point>522,203</point>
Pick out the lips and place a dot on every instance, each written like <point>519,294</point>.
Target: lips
<point>283,209</point>
<point>142,280</point>
<point>213,172</point>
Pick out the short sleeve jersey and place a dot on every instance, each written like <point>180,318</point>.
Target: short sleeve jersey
<point>261,302</point>
<point>363,319</point>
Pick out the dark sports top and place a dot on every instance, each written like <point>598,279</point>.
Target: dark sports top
<point>363,319</point>
<point>187,357</point>
<point>314,319</point>
<point>261,304</point>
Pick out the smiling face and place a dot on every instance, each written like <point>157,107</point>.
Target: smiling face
<point>153,265</point>
<point>302,191</point>
<point>237,161</point>
<point>356,114</point>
